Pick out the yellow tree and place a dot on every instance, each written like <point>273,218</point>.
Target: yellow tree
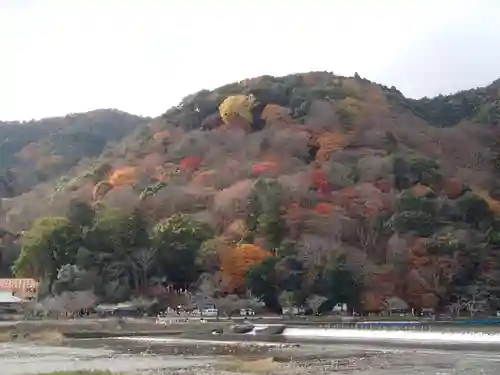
<point>237,105</point>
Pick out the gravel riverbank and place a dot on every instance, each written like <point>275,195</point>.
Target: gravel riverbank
<point>197,351</point>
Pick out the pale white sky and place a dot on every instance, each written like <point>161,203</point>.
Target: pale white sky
<point>143,56</point>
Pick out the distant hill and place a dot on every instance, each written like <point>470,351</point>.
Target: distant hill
<point>37,151</point>
<point>481,105</point>
<point>326,173</point>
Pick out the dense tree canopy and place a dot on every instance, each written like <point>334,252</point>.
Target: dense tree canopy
<point>306,190</point>
<point>50,242</point>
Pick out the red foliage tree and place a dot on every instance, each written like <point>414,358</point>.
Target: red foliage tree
<point>190,163</point>
<point>266,167</point>
<point>320,181</point>
<point>323,208</point>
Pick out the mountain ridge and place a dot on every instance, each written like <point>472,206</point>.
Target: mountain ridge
<point>24,144</point>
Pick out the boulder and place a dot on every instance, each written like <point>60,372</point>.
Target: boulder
<point>218,331</point>
<point>272,330</point>
<point>242,328</point>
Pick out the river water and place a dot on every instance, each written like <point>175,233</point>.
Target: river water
<point>320,351</point>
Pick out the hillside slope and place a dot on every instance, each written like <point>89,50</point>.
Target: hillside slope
<point>311,184</point>
<point>37,151</point>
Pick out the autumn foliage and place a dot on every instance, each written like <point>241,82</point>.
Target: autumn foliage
<point>493,204</point>
<point>123,176</point>
<point>276,115</point>
<point>309,184</point>
<point>328,143</point>
<point>323,208</point>
<point>190,163</point>
<point>237,106</point>
<point>161,135</point>
<point>264,168</point>
<point>237,261</point>
<point>320,181</point>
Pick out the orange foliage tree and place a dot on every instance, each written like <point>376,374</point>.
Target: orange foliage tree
<point>493,204</point>
<point>276,114</point>
<point>123,176</point>
<point>236,262</point>
<point>330,142</point>
<point>420,190</point>
<point>160,136</point>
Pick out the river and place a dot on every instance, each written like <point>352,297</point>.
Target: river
<point>298,350</point>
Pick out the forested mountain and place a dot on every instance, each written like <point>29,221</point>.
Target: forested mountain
<point>37,151</point>
<point>309,186</point>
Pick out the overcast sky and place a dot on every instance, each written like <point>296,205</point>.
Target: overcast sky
<point>143,56</point>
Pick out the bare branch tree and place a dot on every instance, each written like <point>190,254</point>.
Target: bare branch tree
<point>80,300</point>
<point>287,302</point>
<point>477,299</point>
<point>206,290</point>
<point>143,260</point>
<point>314,302</point>
<point>252,302</point>
<point>455,308</point>
<point>314,250</point>
<point>54,305</point>
<point>367,233</point>
<point>229,305</point>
